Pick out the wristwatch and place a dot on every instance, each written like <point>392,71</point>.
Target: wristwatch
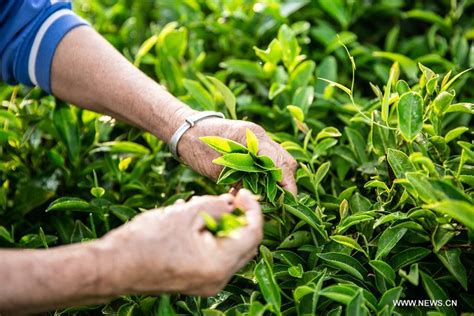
<point>189,123</point>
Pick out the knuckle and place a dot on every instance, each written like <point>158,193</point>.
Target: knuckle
<point>256,129</point>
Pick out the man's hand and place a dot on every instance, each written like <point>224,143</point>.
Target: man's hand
<point>199,156</point>
<point>169,250</point>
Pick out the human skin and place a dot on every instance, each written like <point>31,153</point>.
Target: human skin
<point>165,250</point>
<point>88,72</point>
<point>157,252</point>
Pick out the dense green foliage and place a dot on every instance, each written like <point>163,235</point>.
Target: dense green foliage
<point>368,96</point>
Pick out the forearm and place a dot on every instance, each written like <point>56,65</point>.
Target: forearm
<point>40,280</point>
<point>87,71</point>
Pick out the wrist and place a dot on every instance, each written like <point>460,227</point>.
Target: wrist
<point>109,281</point>
<point>175,119</point>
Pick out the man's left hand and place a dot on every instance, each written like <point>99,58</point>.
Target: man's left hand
<point>199,156</point>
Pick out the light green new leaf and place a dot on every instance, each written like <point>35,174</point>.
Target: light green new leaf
<point>410,115</point>
<point>393,77</point>
<point>227,95</point>
<point>348,242</point>
<point>296,112</point>
<point>352,220</point>
<point>338,85</point>
<point>289,46</point>
<point>252,141</point>
<point>459,210</point>
<point>200,94</point>
<point>69,203</point>
<point>244,67</point>
<point>223,145</point>
<point>455,133</point>
<point>302,74</point>
<point>321,172</point>
<point>241,162</point>
<point>328,132</point>
<point>121,147</point>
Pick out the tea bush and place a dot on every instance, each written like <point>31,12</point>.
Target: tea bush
<point>372,98</point>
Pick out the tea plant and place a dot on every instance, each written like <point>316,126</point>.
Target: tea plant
<point>381,127</point>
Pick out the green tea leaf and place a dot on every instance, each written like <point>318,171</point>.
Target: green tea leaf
<point>241,162</point>
<point>459,210</point>
<point>69,203</point>
<point>389,239</point>
<point>345,263</point>
<point>348,242</point>
<point>452,261</point>
<point>399,162</point>
<point>200,94</point>
<point>268,285</point>
<point>410,115</point>
<point>223,145</point>
<point>384,269</point>
<point>435,292</point>
<point>252,141</point>
<point>408,256</point>
<point>227,95</point>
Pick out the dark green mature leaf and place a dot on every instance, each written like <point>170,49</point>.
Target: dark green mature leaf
<point>308,217</point>
<point>435,292</point>
<point>384,269</point>
<point>389,297</point>
<point>352,220</point>
<point>410,115</point>
<point>399,163</point>
<point>5,234</point>
<point>65,122</point>
<point>389,238</point>
<point>356,305</point>
<point>357,143</point>
<point>268,285</point>
<point>345,263</point>
<point>452,261</point>
<point>408,256</point>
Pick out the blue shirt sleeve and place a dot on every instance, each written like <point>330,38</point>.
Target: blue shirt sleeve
<point>30,31</point>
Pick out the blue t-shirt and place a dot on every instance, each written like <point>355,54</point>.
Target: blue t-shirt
<point>30,31</point>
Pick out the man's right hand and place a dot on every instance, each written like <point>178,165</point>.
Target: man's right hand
<point>169,250</point>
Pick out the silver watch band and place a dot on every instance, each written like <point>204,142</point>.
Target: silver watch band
<point>189,122</point>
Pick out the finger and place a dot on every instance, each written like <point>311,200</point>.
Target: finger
<point>250,235</point>
<point>179,201</point>
<point>288,181</point>
<point>215,206</point>
<point>284,161</point>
